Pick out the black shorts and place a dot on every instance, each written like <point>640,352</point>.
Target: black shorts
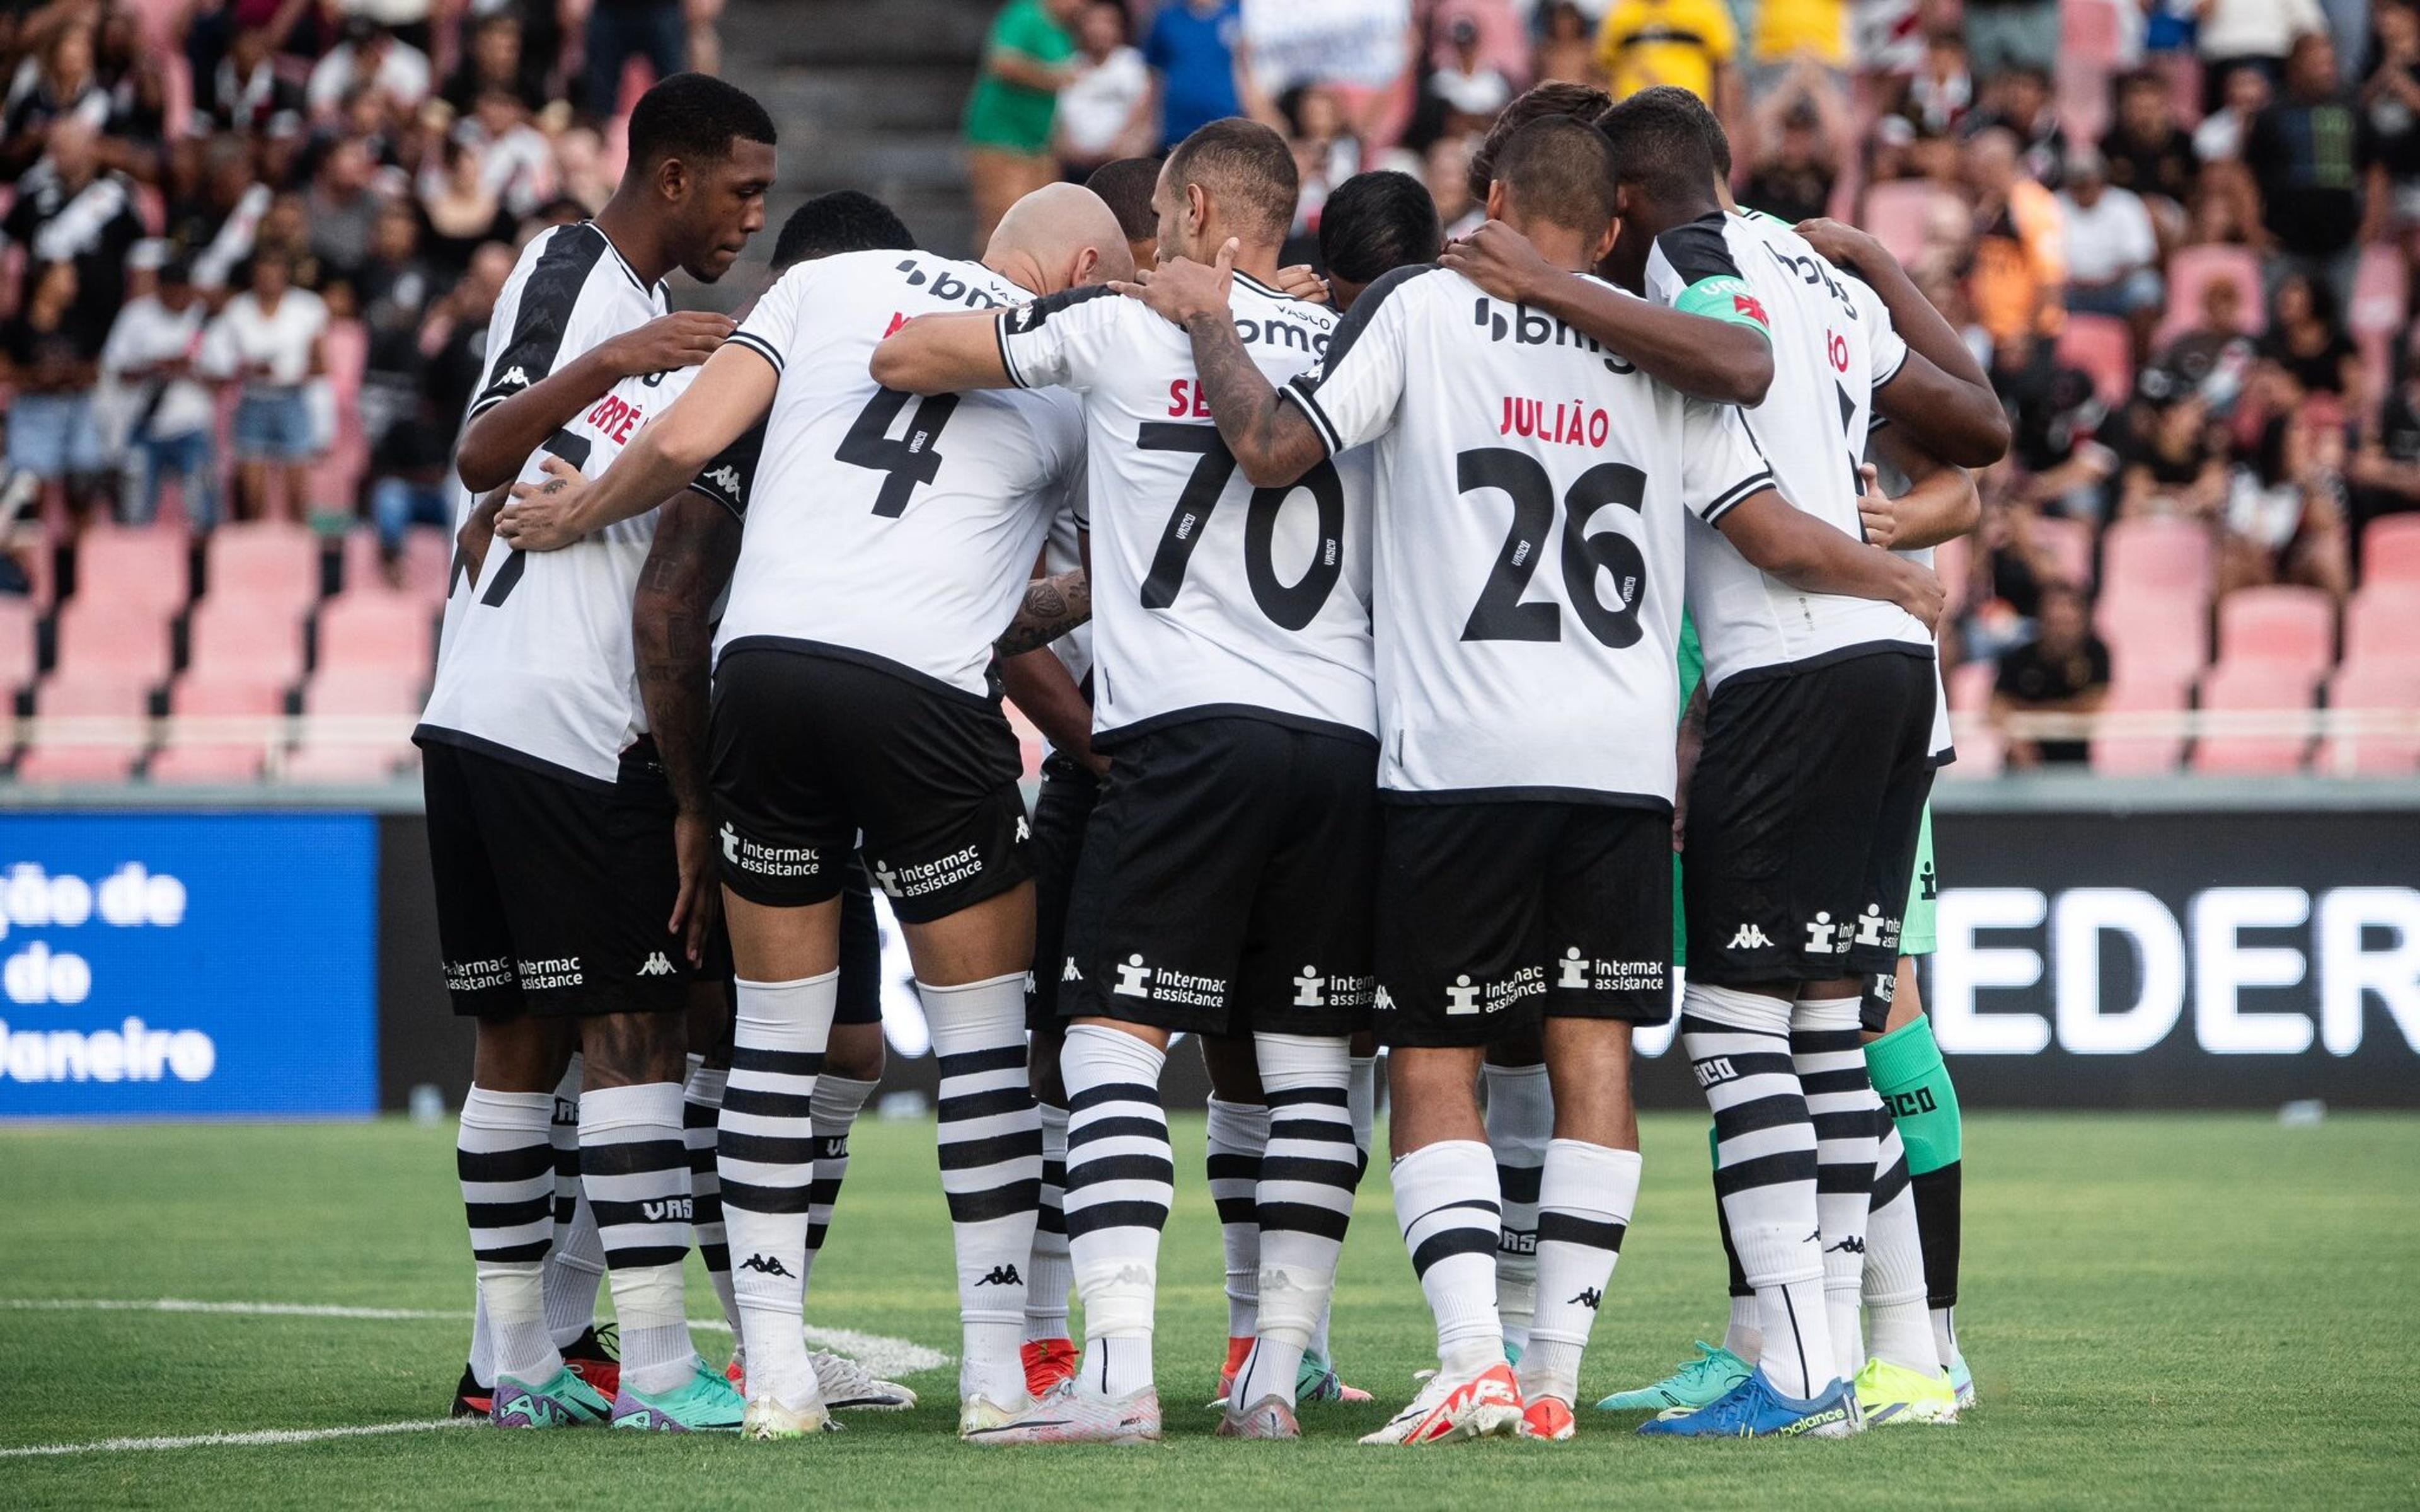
<point>552,894</point>
<point>1492,915</point>
<point>1804,811</point>
<point>812,750</point>
<point>1061,811</point>
<point>861,950</point>
<point>1225,881</point>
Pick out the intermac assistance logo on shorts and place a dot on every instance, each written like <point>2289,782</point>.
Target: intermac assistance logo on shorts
<point>928,876</point>
<point>769,860</point>
<point>1579,973</point>
<point>1160,985</point>
<point>1463,995</point>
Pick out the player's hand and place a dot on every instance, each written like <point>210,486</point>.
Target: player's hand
<point>1876,511</point>
<point>1180,290</point>
<point>542,515</point>
<point>1920,593</point>
<point>1296,281</point>
<point>1501,261</point>
<point>682,339</point>
<point>699,902</point>
<point>1843,243</point>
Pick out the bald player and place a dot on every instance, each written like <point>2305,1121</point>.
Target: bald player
<point>890,544</point>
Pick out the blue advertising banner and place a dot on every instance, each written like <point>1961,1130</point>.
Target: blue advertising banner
<point>170,964</point>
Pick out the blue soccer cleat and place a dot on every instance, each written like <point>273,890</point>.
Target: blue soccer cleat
<point>1753,1409</point>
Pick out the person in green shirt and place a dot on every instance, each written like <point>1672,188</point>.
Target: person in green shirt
<point>1027,60</point>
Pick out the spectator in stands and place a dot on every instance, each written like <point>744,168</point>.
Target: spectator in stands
<point>1325,151</point>
<point>60,81</point>
<point>516,160</point>
<point>1106,111</point>
<point>2214,356</point>
<point>171,420</point>
<point>369,55</point>
<point>2253,34</point>
<point>2113,253</point>
<point>1195,49</point>
<point>495,58</point>
<point>2020,101</point>
<point>1691,43</point>
<point>2243,94</point>
<point>1028,58</point>
<point>411,479</point>
<point>2019,262</point>
<point>1798,154</point>
<point>2322,190</point>
<point>2011,34</point>
<point>1447,170</point>
<point>2055,418</point>
<point>245,92</point>
<point>1931,109</point>
<point>270,341</point>
<point>461,208</point>
<point>137,86</point>
<point>1465,93</point>
<point>344,211</point>
<point>2307,345</point>
<point>52,366</point>
<point>2390,98</point>
<point>394,293</point>
<point>1788,37</point>
<point>2172,460</point>
<point>1566,45</point>
<point>2145,151</point>
<point>2063,670</point>
<point>2284,520</point>
<point>620,30</point>
<point>2385,469</point>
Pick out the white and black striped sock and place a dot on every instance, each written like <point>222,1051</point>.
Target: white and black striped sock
<point>576,1266</point>
<point>1304,1200</point>
<point>634,1166</point>
<point>838,1101</point>
<point>1584,1196</point>
<point>991,1172</point>
<point>1895,1286</point>
<point>506,1169</point>
<point>1446,1204</point>
<point>766,1155</point>
<point>1738,1045</point>
<point>1830,1054</point>
<point>1520,1122</point>
<point>1121,1178</point>
<point>1361,1093</point>
<point>1235,1134</point>
<point>701,1117</point>
<point>1050,1275</point>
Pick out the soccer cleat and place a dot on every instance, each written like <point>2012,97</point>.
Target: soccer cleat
<point>1047,1361</point>
<point>1753,1409</point>
<point>848,1386</point>
<point>1237,1350</point>
<point>705,1403</point>
<point>595,1358</point>
<point>564,1402</point>
<point>1548,1418</point>
<point>1703,1381</point>
<point>1888,1393</point>
<point>1482,1405</point>
<point>471,1400</point>
<point>978,1415</point>
<point>770,1417</point>
<point>1961,1381</point>
<point>1317,1381</point>
<point>1271,1417</point>
<point>1072,1414</point>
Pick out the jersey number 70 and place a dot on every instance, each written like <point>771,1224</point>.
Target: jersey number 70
<point>1289,605</point>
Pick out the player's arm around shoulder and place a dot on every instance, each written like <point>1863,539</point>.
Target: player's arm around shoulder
<point>1809,554</point>
<point>1941,503</point>
<point>945,353</point>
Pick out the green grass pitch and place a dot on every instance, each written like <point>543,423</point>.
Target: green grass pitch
<point>2204,1312</point>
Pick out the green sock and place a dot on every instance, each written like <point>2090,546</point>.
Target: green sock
<point>1908,1073</point>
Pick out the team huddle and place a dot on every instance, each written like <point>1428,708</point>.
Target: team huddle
<point>1391,632</point>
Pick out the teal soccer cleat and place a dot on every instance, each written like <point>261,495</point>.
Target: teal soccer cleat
<point>705,1403</point>
<point>1702,1382</point>
<point>563,1402</point>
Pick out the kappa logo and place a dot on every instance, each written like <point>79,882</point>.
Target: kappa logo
<point>1462,997</point>
<point>1713,1070</point>
<point>1310,989</point>
<point>887,877</point>
<point>513,377</point>
<point>1574,972</point>
<point>1823,937</point>
<point>665,1209</point>
<point>1589,1297</point>
<point>1132,978</point>
<point>1021,318</point>
<point>655,966</point>
<point>1024,830</point>
<point>726,478</point>
<point>764,1265</point>
<point>1069,973</point>
<point>1750,937</point>
<point>1849,1244</point>
<point>730,844</point>
<point>1870,925</point>
<point>1002,1275</point>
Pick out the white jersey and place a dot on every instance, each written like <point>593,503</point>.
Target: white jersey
<point>1063,550</point>
<point>887,527</point>
<point>1210,597</point>
<point>536,661</point>
<point>1832,344</point>
<point>1532,490</point>
<point>1893,482</point>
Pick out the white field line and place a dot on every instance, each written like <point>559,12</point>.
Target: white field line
<point>214,1441</point>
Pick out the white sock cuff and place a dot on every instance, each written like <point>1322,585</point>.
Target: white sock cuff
<point>650,1295</point>
<point>1593,1180</point>
<point>1827,1014</point>
<point>1288,1061</point>
<point>706,1084</point>
<point>531,1111</point>
<point>1734,1009</point>
<point>1238,1125</point>
<point>1513,1079</point>
<point>1118,1050</point>
<point>838,1099</point>
<point>642,1106</point>
<point>1448,1160</point>
<point>1054,1129</point>
<point>786,1015</point>
<point>1777,1254</point>
<point>974,1015</point>
<point>574,1072</point>
<point>1118,1296</point>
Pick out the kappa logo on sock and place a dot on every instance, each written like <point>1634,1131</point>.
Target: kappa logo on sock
<point>1589,1297</point>
<point>1714,1068</point>
<point>763,1265</point>
<point>1849,1244</point>
<point>665,1209</point>
<point>655,966</point>
<point>1002,1275</point>
<point>1750,937</point>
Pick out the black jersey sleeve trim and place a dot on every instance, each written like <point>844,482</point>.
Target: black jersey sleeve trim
<point>1303,387</point>
<point>1007,358</point>
<point>728,479</point>
<point>1730,497</point>
<point>1026,318</point>
<point>758,345</point>
<point>549,297</point>
<point>1905,351</point>
<point>1699,249</point>
<point>1294,389</point>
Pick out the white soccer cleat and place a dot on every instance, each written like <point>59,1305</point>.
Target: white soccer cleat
<point>848,1386</point>
<point>981,1415</point>
<point>1484,1404</point>
<point>1271,1417</point>
<point>770,1417</point>
<point>1071,1413</point>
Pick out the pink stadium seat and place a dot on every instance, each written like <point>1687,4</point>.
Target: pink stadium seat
<point>2088,34</point>
<point>2379,292</point>
<point>2390,550</point>
<point>270,561</point>
<point>2102,347</point>
<point>428,554</point>
<point>134,568</point>
<point>216,756</point>
<point>2070,543</point>
<point>97,637</point>
<point>326,757</point>
<point>2164,557</point>
<point>1970,686</point>
<point>102,752</point>
<point>377,630</point>
<point>2292,627</point>
<point>1898,214</point>
<point>336,479</point>
<point>2136,755</point>
<point>238,638</point>
<point>2252,687</point>
<point>1980,753</point>
<point>2159,640</point>
<point>2382,624</point>
<point>2191,268</point>
<point>2386,687</point>
<point>17,646</point>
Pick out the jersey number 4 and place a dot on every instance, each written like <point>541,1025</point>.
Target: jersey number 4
<point>907,460</point>
<point>1500,614</point>
<point>1289,605</point>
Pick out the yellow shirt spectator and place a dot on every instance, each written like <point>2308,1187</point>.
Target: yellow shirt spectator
<point>1784,28</point>
<point>1647,43</point>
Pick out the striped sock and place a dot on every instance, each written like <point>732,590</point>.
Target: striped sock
<point>634,1166</point>
<point>506,1169</point>
<point>1236,1134</point>
<point>1050,1275</point>
<point>991,1172</point>
<point>701,1114</point>
<point>1304,1200</point>
<point>1893,1273</point>
<point>1121,1178</point>
<point>765,1151</point>
<point>1520,1121</point>
<point>1829,1052</point>
<point>1362,1104</point>
<point>575,1268</point>
<point>837,1102</point>
<point>1586,1195</point>
<point>1738,1045</point>
<point>1447,1208</point>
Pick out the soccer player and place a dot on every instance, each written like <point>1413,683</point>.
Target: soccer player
<point>1510,693</point>
<point>551,831</point>
<point>851,695</point>
<point>1224,882</point>
<point>1126,186</point>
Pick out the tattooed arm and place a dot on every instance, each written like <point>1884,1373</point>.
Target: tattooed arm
<point>1274,444</point>
<point>1053,606</point>
<point>696,543</point>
